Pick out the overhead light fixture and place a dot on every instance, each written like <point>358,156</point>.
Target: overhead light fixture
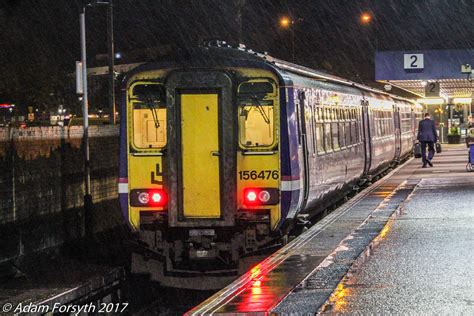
<point>462,100</point>
<point>431,101</point>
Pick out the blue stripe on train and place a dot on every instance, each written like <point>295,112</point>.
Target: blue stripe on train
<point>289,159</point>
<point>123,163</point>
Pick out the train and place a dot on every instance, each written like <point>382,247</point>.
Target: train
<point>223,150</point>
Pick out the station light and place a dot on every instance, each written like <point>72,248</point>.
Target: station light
<point>365,18</point>
<point>462,100</point>
<point>433,101</point>
<point>285,22</point>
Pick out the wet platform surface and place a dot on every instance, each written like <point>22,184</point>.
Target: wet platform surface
<point>394,248</point>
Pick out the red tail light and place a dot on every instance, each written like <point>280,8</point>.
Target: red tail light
<point>158,197</point>
<point>149,197</point>
<point>250,196</point>
<point>260,196</point>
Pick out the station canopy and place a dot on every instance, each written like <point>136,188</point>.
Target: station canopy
<point>443,74</point>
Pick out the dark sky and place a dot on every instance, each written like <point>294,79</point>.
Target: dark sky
<point>40,39</point>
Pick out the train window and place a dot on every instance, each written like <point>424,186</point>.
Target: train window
<point>348,133</point>
<point>256,114</point>
<point>256,88</point>
<point>319,138</point>
<point>354,133</point>
<point>319,114</point>
<point>327,137</point>
<point>335,136</point>
<point>312,121</point>
<point>342,132</point>
<point>149,116</point>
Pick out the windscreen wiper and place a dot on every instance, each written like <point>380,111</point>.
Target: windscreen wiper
<point>260,109</point>
<point>150,103</point>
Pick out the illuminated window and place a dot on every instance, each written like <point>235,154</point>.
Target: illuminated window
<point>335,136</point>
<point>256,114</point>
<point>327,137</point>
<point>354,133</point>
<point>319,138</point>
<point>149,116</point>
<point>348,133</point>
<point>342,132</point>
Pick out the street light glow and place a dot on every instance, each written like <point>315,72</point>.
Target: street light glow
<point>285,22</point>
<point>365,18</point>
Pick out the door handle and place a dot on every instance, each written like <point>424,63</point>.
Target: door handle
<point>215,153</point>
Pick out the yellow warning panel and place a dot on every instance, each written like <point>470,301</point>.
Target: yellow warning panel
<point>200,155</point>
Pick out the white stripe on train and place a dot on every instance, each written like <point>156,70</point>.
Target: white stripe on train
<point>293,185</point>
<point>123,188</point>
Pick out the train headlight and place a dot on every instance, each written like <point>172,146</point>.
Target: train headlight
<point>144,198</point>
<point>149,197</point>
<point>264,196</point>
<point>261,196</point>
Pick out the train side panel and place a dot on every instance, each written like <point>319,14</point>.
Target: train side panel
<point>406,133</point>
<point>383,140</point>
<point>330,123</point>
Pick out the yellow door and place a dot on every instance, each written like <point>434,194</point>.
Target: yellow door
<point>200,155</point>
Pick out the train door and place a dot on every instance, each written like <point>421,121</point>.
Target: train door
<point>202,149</point>
<point>366,135</point>
<point>200,155</point>
<point>398,136</point>
<point>303,152</point>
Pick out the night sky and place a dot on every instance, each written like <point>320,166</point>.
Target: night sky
<point>40,39</point>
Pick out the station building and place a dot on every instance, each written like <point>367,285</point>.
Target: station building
<point>442,80</point>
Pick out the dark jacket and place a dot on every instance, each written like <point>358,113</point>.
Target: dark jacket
<point>427,131</point>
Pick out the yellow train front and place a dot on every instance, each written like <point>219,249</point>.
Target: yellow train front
<point>200,164</point>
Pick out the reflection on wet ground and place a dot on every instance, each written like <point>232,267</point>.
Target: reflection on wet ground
<point>422,263</point>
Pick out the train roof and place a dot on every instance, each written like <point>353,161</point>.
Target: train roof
<point>218,54</point>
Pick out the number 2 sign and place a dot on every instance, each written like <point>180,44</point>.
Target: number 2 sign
<point>413,61</point>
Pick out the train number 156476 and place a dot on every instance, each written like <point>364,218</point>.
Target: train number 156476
<point>254,174</point>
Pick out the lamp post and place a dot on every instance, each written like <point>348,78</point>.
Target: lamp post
<point>88,205</point>
<point>110,55</point>
<point>110,52</point>
<point>85,113</point>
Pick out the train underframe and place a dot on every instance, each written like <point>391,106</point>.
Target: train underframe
<point>202,256</point>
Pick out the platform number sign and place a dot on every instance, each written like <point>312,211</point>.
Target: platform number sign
<point>432,89</point>
<point>413,61</point>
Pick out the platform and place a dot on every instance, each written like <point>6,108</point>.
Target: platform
<point>400,246</point>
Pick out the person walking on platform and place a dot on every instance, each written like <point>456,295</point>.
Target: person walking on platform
<point>427,136</point>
